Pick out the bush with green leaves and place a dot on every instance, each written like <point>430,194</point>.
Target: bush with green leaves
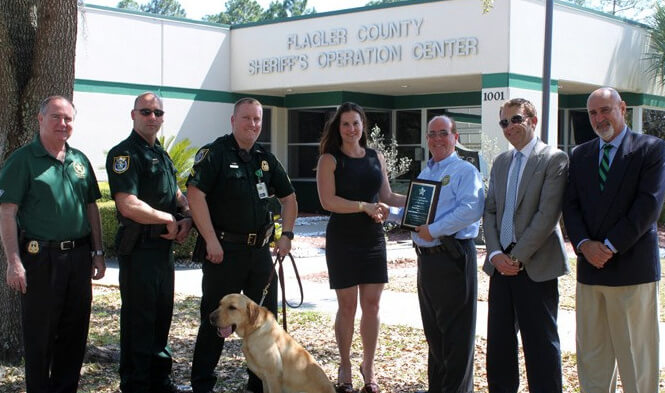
<point>182,154</point>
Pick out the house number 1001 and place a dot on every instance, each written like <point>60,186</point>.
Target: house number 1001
<point>493,96</point>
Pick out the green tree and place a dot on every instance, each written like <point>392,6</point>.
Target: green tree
<point>378,2</point>
<point>159,7</point>
<point>656,53</point>
<point>164,7</point>
<point>129,5</point>
<point>287,8</point>
<point>237,12</point>
<point>632,9</point>
<point>37,51</point>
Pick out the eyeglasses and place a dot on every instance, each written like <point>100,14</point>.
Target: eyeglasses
<point>517,119</point>
<point>147,112</point>
<point>440,133</point>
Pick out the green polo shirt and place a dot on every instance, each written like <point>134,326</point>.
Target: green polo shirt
<point>134,167</point>
<point>52,196</point>
<point>229,183</point>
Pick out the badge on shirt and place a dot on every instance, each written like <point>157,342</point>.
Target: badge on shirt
<point>79,169</point>
<point>445,180</point>
<point>264,166</point>
<point>120,164</point>
<point>234,165</point>
<point>262,190</point>
<point>33,247</point>
<point>200,155</point>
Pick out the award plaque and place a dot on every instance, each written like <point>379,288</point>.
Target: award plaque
<point>421,200</point>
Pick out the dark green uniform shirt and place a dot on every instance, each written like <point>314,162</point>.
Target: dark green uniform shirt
<point>134,167</point>
<point>52,196</point>
<point>229,183</point>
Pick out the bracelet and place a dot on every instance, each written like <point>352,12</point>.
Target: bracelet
<point>360,206</point>
<point>97,253</point>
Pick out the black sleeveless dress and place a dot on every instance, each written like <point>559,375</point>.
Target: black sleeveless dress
<point>355,244</point>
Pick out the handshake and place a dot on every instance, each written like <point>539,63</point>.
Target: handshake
<point>379,211</point>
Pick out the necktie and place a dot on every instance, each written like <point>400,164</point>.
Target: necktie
<point>604,167</point>
<point>506,234</point>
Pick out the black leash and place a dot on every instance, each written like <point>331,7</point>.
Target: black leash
<point>285,302</point>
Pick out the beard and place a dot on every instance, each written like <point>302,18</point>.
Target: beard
<point>604,131</point>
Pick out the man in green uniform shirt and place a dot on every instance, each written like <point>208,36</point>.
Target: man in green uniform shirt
<point>143,184</point>
<point>50,224</point>
<point>229,191</point>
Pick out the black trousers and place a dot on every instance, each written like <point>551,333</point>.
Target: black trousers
<point>56,316</point>
<point>244,269</point>
<point>447,291</point>
<point>519,303</point>
<point>146,289</point>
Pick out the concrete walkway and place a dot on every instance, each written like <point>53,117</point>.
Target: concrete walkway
<point>397,308</point>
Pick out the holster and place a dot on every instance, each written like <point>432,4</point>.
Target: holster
<point>129,235</point>
<point>199,253</point>
<point>452,246</point>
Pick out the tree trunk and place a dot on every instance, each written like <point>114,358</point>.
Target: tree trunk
<point>37,49</point>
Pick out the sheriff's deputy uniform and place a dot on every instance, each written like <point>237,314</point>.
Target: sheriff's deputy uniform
<point>146,264</point>
<point>236,183</point>
<point>55,250</point>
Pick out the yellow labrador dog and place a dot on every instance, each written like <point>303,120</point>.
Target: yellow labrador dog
<point>283,365</point>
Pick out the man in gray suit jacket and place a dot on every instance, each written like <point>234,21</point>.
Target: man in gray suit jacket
<point>525,254</point>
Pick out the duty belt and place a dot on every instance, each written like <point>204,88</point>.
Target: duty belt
<point>251,239</point>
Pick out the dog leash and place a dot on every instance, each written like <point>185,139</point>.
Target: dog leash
<point>279,259</point>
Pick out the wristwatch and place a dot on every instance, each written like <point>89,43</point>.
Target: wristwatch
<point>288,234</point>
<point>514,259</point>
<point>97,253</point>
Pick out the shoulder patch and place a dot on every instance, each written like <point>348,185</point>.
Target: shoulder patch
<point>200,155</point>
<point>120,164</point>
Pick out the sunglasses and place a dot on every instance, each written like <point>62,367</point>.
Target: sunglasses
<point>517,119</point>
<point>147,112</point>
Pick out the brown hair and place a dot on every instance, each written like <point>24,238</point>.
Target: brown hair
<point>529,109</point>
<point>331,140</point>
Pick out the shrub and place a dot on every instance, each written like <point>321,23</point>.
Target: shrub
<point>105,190</point>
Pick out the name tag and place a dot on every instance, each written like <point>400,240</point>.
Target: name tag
<point>262,189</point>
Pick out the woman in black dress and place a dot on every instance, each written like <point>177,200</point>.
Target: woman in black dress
<point>353,185</point>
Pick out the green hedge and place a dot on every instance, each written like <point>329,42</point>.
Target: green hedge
<point>105,190</point>
<point>110,227</point>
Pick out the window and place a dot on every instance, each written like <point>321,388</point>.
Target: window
<point>305,129</point>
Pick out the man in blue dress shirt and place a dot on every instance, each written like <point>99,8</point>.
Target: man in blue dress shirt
<point>447,267</point>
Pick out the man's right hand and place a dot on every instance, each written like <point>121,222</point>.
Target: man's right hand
<point>505,265</point>
<point>214,251</point>
<point>16,277</point>
<point>596,253</point>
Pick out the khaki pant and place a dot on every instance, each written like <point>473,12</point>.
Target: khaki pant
<point>617,326</point>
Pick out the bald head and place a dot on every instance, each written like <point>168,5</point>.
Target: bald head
<point>606,113</point>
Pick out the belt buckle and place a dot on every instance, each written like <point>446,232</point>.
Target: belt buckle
<point>67,245</point>
<point>251,239</point>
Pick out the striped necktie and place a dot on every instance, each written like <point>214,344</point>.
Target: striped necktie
<point>604,167</point>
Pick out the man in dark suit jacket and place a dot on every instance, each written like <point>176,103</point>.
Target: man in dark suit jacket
<point>526,254</point>
<point>613,199</point>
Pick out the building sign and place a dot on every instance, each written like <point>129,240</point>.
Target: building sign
<point>334,50</point>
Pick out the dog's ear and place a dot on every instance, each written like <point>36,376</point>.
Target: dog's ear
<point>252,312</point>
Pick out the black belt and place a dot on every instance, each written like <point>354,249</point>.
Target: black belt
<point>429,250</point>
<point>250,239</point>
<point>64,245</point>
